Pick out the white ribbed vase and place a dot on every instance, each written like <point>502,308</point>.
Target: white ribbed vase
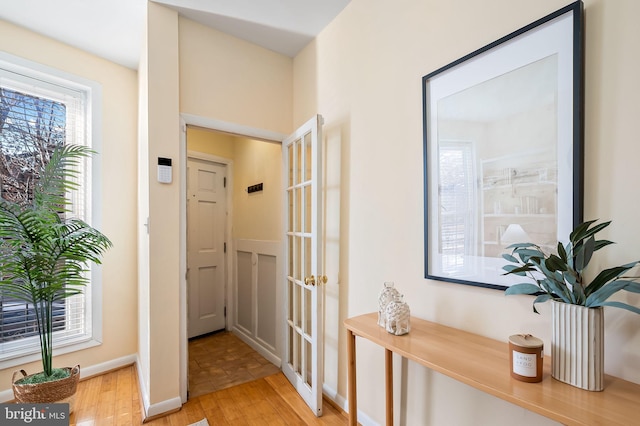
<point>577,345</point>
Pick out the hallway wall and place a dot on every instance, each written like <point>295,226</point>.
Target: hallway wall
<point>363,74</point>
<point>117,153</point>
<point>258,215</point>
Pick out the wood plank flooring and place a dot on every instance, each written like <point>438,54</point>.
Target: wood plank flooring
<point>221,360</point>
<point>113,399</point>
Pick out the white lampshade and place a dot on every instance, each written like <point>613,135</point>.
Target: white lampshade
<point>515,234</point>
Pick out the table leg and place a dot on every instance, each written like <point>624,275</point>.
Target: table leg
<point>351,391</point>
<point>388,367</point>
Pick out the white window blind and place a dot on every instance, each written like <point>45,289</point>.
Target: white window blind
<point>458,195</point>
<point>39,111</point>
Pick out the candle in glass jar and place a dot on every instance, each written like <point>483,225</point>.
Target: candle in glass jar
<point>525,357</point>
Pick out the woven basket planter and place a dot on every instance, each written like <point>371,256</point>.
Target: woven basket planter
<point>577,346</point>
<point>58,391</point>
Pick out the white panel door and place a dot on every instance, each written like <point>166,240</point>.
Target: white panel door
<point>206,215</point>
<point>303,356</point>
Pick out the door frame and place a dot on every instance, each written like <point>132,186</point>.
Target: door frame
<point>221,126</point>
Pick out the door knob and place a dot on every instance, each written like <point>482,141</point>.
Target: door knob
<point>311,280</point>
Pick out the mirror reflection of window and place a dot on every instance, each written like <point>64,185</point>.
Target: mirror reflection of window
<point>457,201</point>
<point>512,121</point>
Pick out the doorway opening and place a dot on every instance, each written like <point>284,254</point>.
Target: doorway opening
<point>250,230</point>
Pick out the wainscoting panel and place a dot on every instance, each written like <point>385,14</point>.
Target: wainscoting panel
<point>266,292</point>
<point>258,296</point>
<point>244,289</point>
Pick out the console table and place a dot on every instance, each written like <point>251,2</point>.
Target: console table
<point>483,363</point>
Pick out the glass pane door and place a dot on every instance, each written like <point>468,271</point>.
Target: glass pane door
<point>303,355</point>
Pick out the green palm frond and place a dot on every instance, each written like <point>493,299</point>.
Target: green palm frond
<point>45,257</point>
<point>59,177</point>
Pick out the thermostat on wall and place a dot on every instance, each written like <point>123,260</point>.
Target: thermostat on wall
<point>164,170</point>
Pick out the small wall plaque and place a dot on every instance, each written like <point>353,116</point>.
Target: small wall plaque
<point>255,188</point>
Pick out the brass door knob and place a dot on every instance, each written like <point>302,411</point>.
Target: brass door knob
<point>311,280</point>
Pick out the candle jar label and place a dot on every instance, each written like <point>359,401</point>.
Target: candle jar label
<point>525,364</point>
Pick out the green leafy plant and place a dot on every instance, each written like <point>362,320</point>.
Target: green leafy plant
<point>45,256</point>
<point>560,276</point>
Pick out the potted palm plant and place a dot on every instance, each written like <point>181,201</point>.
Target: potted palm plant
<point>44,259</point>
<point>577,343</point>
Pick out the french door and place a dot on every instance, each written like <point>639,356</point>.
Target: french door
<point>303,357</point>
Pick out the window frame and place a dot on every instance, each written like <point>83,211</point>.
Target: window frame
<point>92,90</point>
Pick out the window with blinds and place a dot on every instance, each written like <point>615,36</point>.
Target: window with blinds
<point>37,113</point>
<point>458,198</point>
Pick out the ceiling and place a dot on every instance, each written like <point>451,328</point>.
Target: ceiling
<point>113,29</point>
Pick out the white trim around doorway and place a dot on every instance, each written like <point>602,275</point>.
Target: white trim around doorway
<point>221,126</point>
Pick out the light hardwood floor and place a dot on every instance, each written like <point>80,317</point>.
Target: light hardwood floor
<point>114,399</point>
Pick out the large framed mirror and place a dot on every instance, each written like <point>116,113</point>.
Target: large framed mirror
<point>503,142</point>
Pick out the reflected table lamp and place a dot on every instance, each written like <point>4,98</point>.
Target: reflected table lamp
<point>515,234</point>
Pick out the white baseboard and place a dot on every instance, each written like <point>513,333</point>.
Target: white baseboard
<point>85,372</point>
<point>151,410</point>
<point>163,407</point>
<point>6,395</point>
<point>275,360</point>
<point>114,364</point>
<point>142,388</point>
<point>333,395</point>
<point>365,420</point>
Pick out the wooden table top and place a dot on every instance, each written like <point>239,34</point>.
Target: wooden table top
<point>483,363</point>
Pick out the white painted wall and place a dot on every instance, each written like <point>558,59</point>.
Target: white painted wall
<point>363,74</point>
<point>144,361</point>
<point>229,79</point>
<point>119,196</point>
<point>164,298</point>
